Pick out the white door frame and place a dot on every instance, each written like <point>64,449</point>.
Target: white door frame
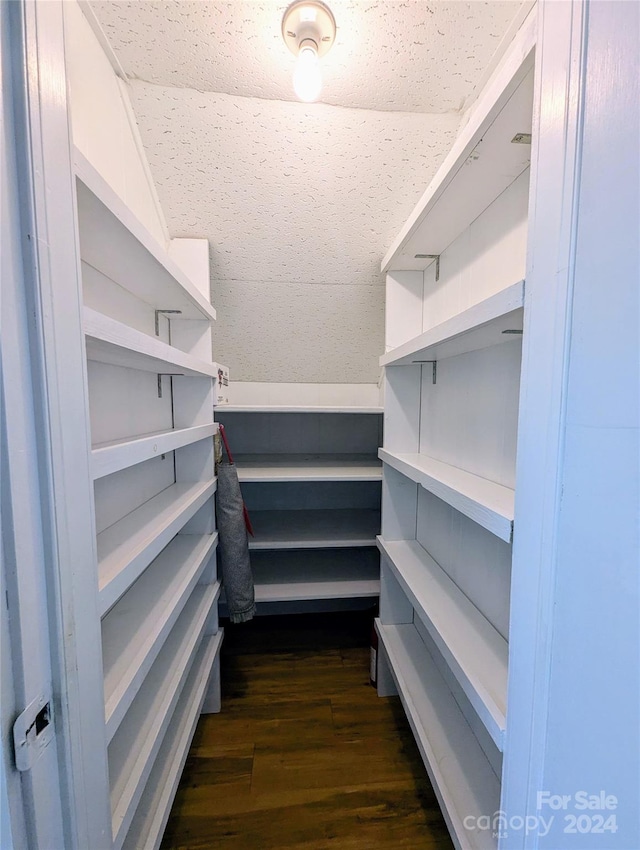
<point>67,804</point>
<point>574,700</point>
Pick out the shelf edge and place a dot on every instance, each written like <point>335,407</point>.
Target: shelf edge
<point>493,520</point>
<point>492,716</point>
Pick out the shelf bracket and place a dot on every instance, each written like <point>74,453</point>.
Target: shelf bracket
<point>159,313</point>
<point>161,376</point>
<point>434,364</point>
<point>435,257</point>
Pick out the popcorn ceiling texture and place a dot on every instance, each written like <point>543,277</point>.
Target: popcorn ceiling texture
<point>299,334</point>
<point>414,56</point>
<point>299,204</point>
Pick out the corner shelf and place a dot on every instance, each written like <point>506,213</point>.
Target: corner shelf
<point>489,504</point>
<point>316,529</point>
<point>107,458</point>
<point>110,341</point>
<point>462,777</point>
<point>152,813</point>
<point>482,163</point>
<point>284,468</point>
<point>482,325</point>
<point>127,547</point>
<point>133,749</point>
<point>476,653</point>
<point>135,629</point>
<point>116,243</point>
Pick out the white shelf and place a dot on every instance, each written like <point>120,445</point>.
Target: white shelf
<point>135,629</point>
<point>462,777</point>
<point>152,813</point>
<point>481,164</point>
<point>110,341</point>
<point>133,749</point>
<point>275,408</point>
<point>481,326</point>
<point>127,547</point>
<point>107,458</point>
<point>476,653</point>
<point>310,467</point>
<point>115,242</point>
<point>489,504</point>
<point>291,576</point>
<point>317,529</point>
<point>299,591</point>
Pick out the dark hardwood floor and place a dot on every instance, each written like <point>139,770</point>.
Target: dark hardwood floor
<point>304,753</point>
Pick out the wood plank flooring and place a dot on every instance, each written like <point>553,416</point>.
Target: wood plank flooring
<point>304,754</point>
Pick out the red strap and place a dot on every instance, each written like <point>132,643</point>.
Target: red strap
<point>226,444</point>
<point>245,512</point>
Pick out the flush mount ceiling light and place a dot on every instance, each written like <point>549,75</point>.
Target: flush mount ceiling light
<point>308,30</point>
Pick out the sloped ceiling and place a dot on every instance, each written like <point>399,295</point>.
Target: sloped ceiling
<point>409,56</point>
<point>299,202</point>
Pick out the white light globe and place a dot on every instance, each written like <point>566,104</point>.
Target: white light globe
<point>307,78</point>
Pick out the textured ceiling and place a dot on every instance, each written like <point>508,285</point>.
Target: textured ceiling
<point>299,202</point>
<point>287,191</point>
<point>411,56</point>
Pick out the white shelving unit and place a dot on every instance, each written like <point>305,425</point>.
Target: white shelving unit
<point>152,813</point>
<point>127,547</point>
<point>474,649</point>
<point>135,628</point>
<point>116,243</point>
<point>311,480</point>
<point>322,574</point>
<point>135,745</point>
<point>147,330</point>
<point>113,342</point>
<point>297,408</point>
<point>462,778</point>
<point>487,503</point>
<point>490,322</point>
<point>454,323</point>
<point>119,454</point>
<point>319,529</point>
<point>285,468</point>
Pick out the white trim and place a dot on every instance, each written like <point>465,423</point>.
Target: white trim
<point>552,221</point>
<point>100,34</point>
<point>67,498</point>
<point>123,85</point>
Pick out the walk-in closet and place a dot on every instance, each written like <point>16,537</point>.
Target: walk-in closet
<point>319,425</point>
